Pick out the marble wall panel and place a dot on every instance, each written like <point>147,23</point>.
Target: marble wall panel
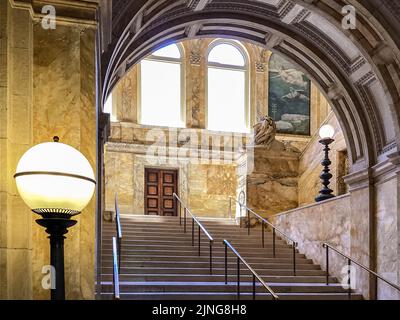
<point>361,233</point>
<point>64,105</point>
<point>387,238</point>
<point>314,224</point>
<point>210,187</point>
<point>16,140</point>
<point>88,148</point>
<point>272,185</point>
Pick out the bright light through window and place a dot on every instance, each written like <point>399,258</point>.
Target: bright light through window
<point>108,107</point>
<point>226,97</point>
<point>161,93</point>
<point>171,51</point>
<point>227,76</point>
<point>226,54</point>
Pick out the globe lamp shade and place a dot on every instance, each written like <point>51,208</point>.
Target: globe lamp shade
<point>326,132</point>
<point>53,177</point>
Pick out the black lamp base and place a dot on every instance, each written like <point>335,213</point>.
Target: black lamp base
<point>323,197</point>
<point>56,227</point>
<point>325,193</point>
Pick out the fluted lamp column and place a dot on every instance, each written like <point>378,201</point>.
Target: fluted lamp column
<point>326,134</point>
<point>56,182</point>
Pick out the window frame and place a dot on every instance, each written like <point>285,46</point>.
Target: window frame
<point>179,61</point>
<point>245,68</point>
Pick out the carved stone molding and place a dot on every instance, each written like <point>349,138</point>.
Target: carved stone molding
<point>260,66</point>
<point>359,180</point>
<point>67,11</point>
<point>388,169</point>
<point>195,58</point>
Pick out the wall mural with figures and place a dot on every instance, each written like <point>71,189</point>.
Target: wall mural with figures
<point>289,97</point>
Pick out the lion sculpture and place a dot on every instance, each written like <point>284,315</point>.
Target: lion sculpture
<point>264,131</point>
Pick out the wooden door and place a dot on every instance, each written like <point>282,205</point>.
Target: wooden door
<point>160,186</point>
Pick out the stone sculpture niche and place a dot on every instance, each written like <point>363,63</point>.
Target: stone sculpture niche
<point>264,131</point>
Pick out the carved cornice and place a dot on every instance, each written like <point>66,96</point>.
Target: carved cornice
<point>317,36</point>
<point>68,12</point>
<point>390,146</point>
<point>362,86</point>
<point>359,180</point>
<point>388,169</point>
<point>198,5</point>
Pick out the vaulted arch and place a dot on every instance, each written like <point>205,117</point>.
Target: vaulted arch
<point>356,76</point>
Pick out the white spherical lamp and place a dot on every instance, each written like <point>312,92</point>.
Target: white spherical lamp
<point>57,182</point>
<point>53,177</point>
<point>326,132</point>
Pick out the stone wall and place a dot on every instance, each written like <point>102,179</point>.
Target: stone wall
<point>205,184</point>
<point>343,222</point>
<point>314,224</point>
<point>387,240</point>
<point>47,88</point>
<point>272,183</point>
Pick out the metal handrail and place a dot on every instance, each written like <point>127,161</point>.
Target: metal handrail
<point>274,231</point>
<point>255,274</point>
<point>119,231</point>
<point>115,269</point>
<point>264,220</point>
<point>350,260</point>
<point>200,227</point>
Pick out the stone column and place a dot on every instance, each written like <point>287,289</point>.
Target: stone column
<point>387,217</point>
<point>125,97</point>
<point>16,138</point>
<point>3,147</point>
<point>260,77</point>
<point>195,70</point>
<point>362,228</point>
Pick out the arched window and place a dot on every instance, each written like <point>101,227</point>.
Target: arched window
<point>228,98</point>
<point>160,88</point>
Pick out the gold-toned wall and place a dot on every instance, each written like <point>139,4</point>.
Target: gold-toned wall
<point>204,184</point>
<point>125,111</point>
<point>47,88</point>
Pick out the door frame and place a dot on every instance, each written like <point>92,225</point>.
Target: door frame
<point>165,168</point>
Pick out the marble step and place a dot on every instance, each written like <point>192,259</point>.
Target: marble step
<point>107,269</point>
<point>200,296</point>
<point>182,286</point>
<point>168,263</point>
<point>219,277</point>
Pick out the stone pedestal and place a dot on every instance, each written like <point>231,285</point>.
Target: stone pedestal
<point>272,178</point>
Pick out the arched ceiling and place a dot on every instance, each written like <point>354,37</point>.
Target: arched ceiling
<point>358,70</point>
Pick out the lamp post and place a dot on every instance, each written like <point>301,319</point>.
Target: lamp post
<point>57,182</point>
<point>326,133</point>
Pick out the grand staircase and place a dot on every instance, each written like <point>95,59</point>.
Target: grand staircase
<point>158,262</point>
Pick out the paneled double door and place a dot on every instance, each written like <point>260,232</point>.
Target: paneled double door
<point>160,186</point>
